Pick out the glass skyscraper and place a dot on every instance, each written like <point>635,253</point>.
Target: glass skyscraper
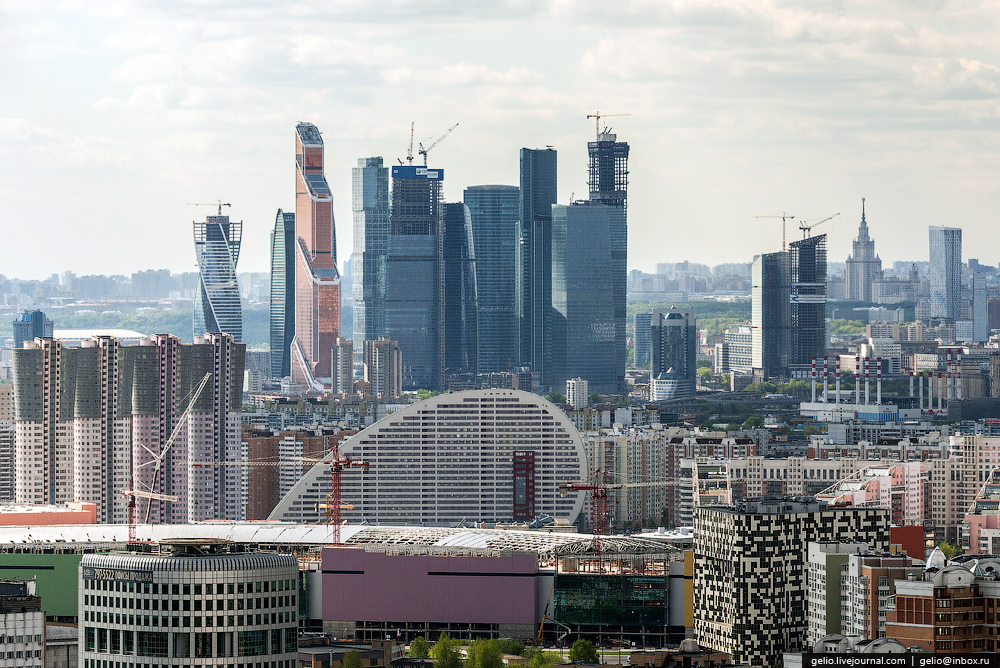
<point>608,181</point>
<point>583,300</point>
<point>461,312</point>
<point>282,314</point>
<point>641,340</point>
<point>494,210</point>
<point>370,196</point>
<point>673,343</point>
<point>414,304</point>
<point>945,273</point>
<point>534,257</point>
<point>217,305</point>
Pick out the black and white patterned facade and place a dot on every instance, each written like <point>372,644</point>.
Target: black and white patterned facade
<point>750,570</point>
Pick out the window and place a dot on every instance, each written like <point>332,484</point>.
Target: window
<point>252,643</point>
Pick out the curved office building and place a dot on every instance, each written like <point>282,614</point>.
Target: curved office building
<point>204,603</point>
<point>476,455</point>
<point>217,307</point>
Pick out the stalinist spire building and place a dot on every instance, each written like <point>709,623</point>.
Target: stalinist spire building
<point>864,266</point>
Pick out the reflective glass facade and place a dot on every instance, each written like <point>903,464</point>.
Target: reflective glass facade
<point>494,211</point>
<point>620,590</point>
<point>945,273</point>
<point>534,256</point>
<point>582,313</point>
<point>461,330</point>
<point>370,196</point>
<point>674,340</point>
<point>414,302</point>
<point>608,181</point>
<point>217,307</point>
<point>282,313</point>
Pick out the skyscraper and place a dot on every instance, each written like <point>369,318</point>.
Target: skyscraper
<point>317,282</point>
<point>370,198</point>
<point>674,346</point>
<point>534,256</point>
<point>217,306</point>
<point>582,328</point>
<point>114,409</point>
<point>863,266</point>
<point>31,326</point>
<point>807,299</point>
<point>461,309</point>
<point>414,304</point>
<point>769,313</point>
<point>945,273</point>
<point>282,314</point>
<point>494,211</point>
<point>788,307</point>
<point>980,312</point>
<point>608,181</point>
<point>641,340</point>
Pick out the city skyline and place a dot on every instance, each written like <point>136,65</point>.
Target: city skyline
<point>736,112</point>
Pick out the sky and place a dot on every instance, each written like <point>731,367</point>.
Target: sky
<point>114,115</point>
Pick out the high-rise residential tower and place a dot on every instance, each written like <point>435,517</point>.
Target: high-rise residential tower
<point>115,409</point>
<point>217,306</point>
<point>461,311</point>
<point>282,314</point>
<point>494,211</point>
<point>534,256</point>
<point>414,303</point>
<point>370,198</point>
<point>343,367</point>
<point>317,281</point>
<point>608,180</point>
<point>582,335</point>
<point>674,345</point>
<point>769,314</point>
<point>863,265</point>
<point>945,273</point>
<point>384,368</point>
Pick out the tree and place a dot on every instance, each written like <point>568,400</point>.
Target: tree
<point>583,652</point>
<point>753,422</point>
<point>508,646</point>
<point>445,653</point>
<point>594,398</point>
<point>484,653</point>
<point>540,659</point>
<point>950,550</point>
<point>352,660</point>
<point>556,397</point>
<point>419,649</point>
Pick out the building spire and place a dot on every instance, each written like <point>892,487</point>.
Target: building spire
<point>862,210</point>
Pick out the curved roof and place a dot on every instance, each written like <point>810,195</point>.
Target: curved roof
<point>80,536</point>
<point>449,458</point>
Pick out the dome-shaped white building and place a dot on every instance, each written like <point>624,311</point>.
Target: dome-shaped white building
<point>453,457</point>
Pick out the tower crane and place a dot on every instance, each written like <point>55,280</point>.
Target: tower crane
<point>424,151</point>
<point>598,486</point>
<point>807,229</point>
<point>409,151</point>
<point>219,203</point>
<point>597,116</point>
<point>784,217</point>
<point>338,464</point>
<point>157,461</point>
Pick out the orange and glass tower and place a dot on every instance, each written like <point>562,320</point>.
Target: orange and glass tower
<point>317,281</point>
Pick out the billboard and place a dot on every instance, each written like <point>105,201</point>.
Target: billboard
<point>414,171</point>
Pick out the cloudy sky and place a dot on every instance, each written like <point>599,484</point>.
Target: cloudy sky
<point>115,114</point>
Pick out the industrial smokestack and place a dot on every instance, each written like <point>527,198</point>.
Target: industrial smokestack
<point>814,379</point>
<point>838,380</point>
<point>878,381</point>
<point>911,385</point>
<point>920,387</point>
<point>940,391</point>
<point>826,376</point>
<point>868,396</point>
<point>958,365</point>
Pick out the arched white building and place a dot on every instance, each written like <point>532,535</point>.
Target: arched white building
<point>451,458</point>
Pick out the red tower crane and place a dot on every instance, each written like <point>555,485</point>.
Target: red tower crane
<point>598,487</point>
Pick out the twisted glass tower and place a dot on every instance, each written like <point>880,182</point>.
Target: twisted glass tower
<point>217,304</point>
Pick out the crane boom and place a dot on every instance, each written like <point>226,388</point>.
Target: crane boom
<point>807,229</point>
<point>597,116</point>
<point>424,151</point>
<point>219,203</point>
<point>784,217</point>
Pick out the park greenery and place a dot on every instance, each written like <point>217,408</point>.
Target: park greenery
<point>352,659</point>
<point>583,652</point>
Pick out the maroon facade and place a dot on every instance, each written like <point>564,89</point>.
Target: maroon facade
<point>524,485</point>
